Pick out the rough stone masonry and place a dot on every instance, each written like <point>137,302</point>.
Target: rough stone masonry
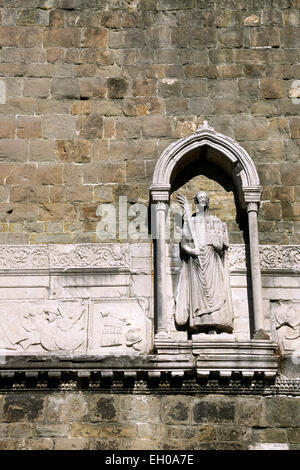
<point>91,93</point>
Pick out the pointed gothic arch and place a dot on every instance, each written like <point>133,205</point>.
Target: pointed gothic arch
<point>237,163</point>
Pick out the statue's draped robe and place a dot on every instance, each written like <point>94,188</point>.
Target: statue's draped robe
<point>203,296</point>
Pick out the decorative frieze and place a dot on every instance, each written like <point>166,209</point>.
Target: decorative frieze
<point>102,256</point>
<point>272,257</point>
<point>117,255</point>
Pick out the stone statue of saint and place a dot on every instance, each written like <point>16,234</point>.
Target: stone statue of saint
<point>204,297</point>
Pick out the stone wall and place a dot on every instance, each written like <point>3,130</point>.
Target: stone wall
<point>106,421</point>
<point>92,91</point>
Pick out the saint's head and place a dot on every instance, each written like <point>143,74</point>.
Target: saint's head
<point>202,198</point>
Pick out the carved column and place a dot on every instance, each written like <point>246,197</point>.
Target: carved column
<point>161,208</point>
<point>252,209</point>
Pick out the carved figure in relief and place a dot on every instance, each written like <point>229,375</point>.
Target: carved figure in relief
<point>203,298</point>
<point>52,330</point>
<point>286,324</point>
<point>119,331</point>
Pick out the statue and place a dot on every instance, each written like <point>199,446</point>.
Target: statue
<point>204,296</point>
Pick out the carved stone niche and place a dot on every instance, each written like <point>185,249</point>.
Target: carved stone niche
<point>204,305</point>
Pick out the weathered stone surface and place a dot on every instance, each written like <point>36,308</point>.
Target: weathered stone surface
<point>78,151</point>
<point>213,410</point>
<point>103,408</point>
<point>19,408</point>
<point>176,410</point>
<point>272,88</point>
<point>116,88</point>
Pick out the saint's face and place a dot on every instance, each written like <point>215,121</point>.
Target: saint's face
<point>202,199</point>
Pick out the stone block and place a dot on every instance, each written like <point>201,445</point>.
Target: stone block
<point>29,194</point>
<point>156,126</point>
<point>104,173</point>
<point>71,443</point>
<point>283,412</point>
<point>58,126</point>
<point>229,106</point>
<point>8,36</point>
<point>141,408</point>
<point>251,129</point>
<point>295,127</point>
<point>57,211</point>
<point>293,435</point>
<point>144,87</point>
<point>90,127</point>
<point>272,210</point>
<point>289,37</point>
<point>128,128</point>
<point>176,410</point>
<point>62,37</point>
<point>290,173</point>
<point>77,151</point>
<point>283,193</point>
<point>267,151</point>
<point>72,174</point>
<point>269,174</point>
<point>81,107</point>
<point>123,150</point>
<point>169,87</point>
<point>18,407</point>
<point>13,150</point>
<point>106,107</point>
<point>49,173</point>
<point>174,5</point>
<point>262,37</point>
<point>203,37</point>
<point>270,435</point>
<point>7,126</point>
<point>37,87</point>
<point>231,38</point>
<point>134,38</point>
<point>42,150</point>
<point>214,410</point>
<point>116,88</point>
<point>94,37</point>
<point>52,430</point>
<point>103,408</point>
<point>29,127</point>
<point>194,87</point>
<point>201,71</point>
<point>66,408</point>
<point>65,88</point>
<point>291,211</point>
<point>271,88</point>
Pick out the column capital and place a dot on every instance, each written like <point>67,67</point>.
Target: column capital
<point>160,193</point>
<point>252,206</point>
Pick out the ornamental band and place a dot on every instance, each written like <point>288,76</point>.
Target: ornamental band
<point>203,299</point>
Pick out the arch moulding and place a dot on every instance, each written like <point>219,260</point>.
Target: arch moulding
<point>240,167</point>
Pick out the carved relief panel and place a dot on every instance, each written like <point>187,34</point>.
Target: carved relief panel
<point>119,326</point>
<point>43,327</point>
<point>285,324</point>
